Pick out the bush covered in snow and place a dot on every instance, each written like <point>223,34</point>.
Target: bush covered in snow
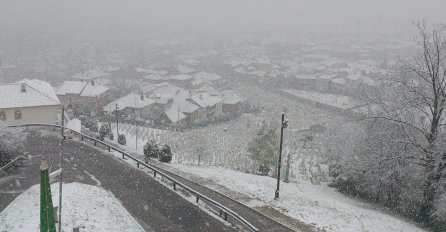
<point>11,141</point>
<point>92,125</point>
<point>104,131</point>
<point>121,139</point>
<point>151,149</point>
<point>165,154</point>
<point>155,151</point>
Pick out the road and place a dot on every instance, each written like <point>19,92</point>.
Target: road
<point>153,205</point>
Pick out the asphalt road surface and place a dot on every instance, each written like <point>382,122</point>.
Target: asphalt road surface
<point>153,205</point>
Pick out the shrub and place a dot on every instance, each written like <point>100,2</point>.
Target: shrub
<point>104,131</point>
<point>112,137</point>
<point>165,154</point>
<point>93,126</point>
<point>162,152</point>
<point>151,149</point>
<point>121,139</point>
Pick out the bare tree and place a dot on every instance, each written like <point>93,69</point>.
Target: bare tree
<point>414,98</point>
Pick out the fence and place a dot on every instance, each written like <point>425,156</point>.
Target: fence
<point>224,211</point>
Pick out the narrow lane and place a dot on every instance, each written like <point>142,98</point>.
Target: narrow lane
<point>156,207</point>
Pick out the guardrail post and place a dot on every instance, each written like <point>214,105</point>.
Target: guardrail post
<point>122,155</point>
<point>154,174</point>
<point>95,142</point>
<point>54,128</point>
<point>226,216</point>
<point>174,186</point>
<point>221,212</point>
<point>137,164</point>
<point>198,198</point>
<point>108,148</point>
<point>82,137</point>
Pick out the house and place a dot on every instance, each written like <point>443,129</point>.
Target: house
<point>28,101</point>
<point>134,104</point>
<point>184,112</point>
<point>232,105</point>
<point>210,104</point>
<point>84,94</point>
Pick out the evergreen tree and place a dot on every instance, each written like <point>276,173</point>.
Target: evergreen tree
<point>263,148</point>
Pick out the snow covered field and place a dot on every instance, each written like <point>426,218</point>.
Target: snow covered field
<point>339,101</point>
<point>319,205</point>
<point>88,207</point>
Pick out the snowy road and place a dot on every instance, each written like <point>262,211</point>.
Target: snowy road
<point>153,205</point>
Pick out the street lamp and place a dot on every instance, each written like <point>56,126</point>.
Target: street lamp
<point>279,164</point>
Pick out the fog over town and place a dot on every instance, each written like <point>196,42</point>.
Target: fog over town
<point>235,115</point>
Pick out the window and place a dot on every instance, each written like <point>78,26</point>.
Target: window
<point>18,115</point>
<point>3,115</point>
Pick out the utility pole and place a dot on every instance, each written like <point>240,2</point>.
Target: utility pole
<point>117,131</point>
<point>283,125</point>
<point>61,173</point>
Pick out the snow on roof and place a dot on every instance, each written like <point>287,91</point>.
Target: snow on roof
<point>340,81</point>
<point>205,100</point>
<point>143,70</point>
<point>181,77</point>
<point>90,74</point>
<point>93,90</point>
<point>165,90</point>
<point>110,68</point>
<point>131,100</point>
<point>41,86</point>
<point>207,76</point>
<point>174,115</point>
<point>209,89</point>
<point>85,89</point>
<point>12,96</point>
<point>184,69</point>
<point>71,87</point>
<point>326,76</point>
<point>229,97</point>
<point>305,77</point>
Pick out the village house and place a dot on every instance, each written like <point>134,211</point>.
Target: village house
<point>210,104</point>
<point>28,101</point>
<point>232,105</point>
<point>134,105</point>
<point>83,94</point>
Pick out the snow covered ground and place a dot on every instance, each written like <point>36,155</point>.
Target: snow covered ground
<point>88,207</point>
<point>319,205</point>
<point>339,101</point>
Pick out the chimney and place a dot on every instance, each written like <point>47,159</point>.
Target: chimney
<point>23,87</point>
<point>92,82</point>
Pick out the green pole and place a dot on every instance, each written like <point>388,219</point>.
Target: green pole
<point>46,204</point>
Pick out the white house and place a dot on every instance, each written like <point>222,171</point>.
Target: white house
<point>83,93</point>
<point>28,101</point>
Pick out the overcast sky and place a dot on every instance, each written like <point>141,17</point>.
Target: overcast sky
<point>178,17</point>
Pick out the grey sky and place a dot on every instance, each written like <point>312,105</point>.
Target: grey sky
<point>178,17</point>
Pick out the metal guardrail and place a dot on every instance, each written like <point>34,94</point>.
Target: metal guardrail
<point>12,162</point>
<point>223,210</point>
